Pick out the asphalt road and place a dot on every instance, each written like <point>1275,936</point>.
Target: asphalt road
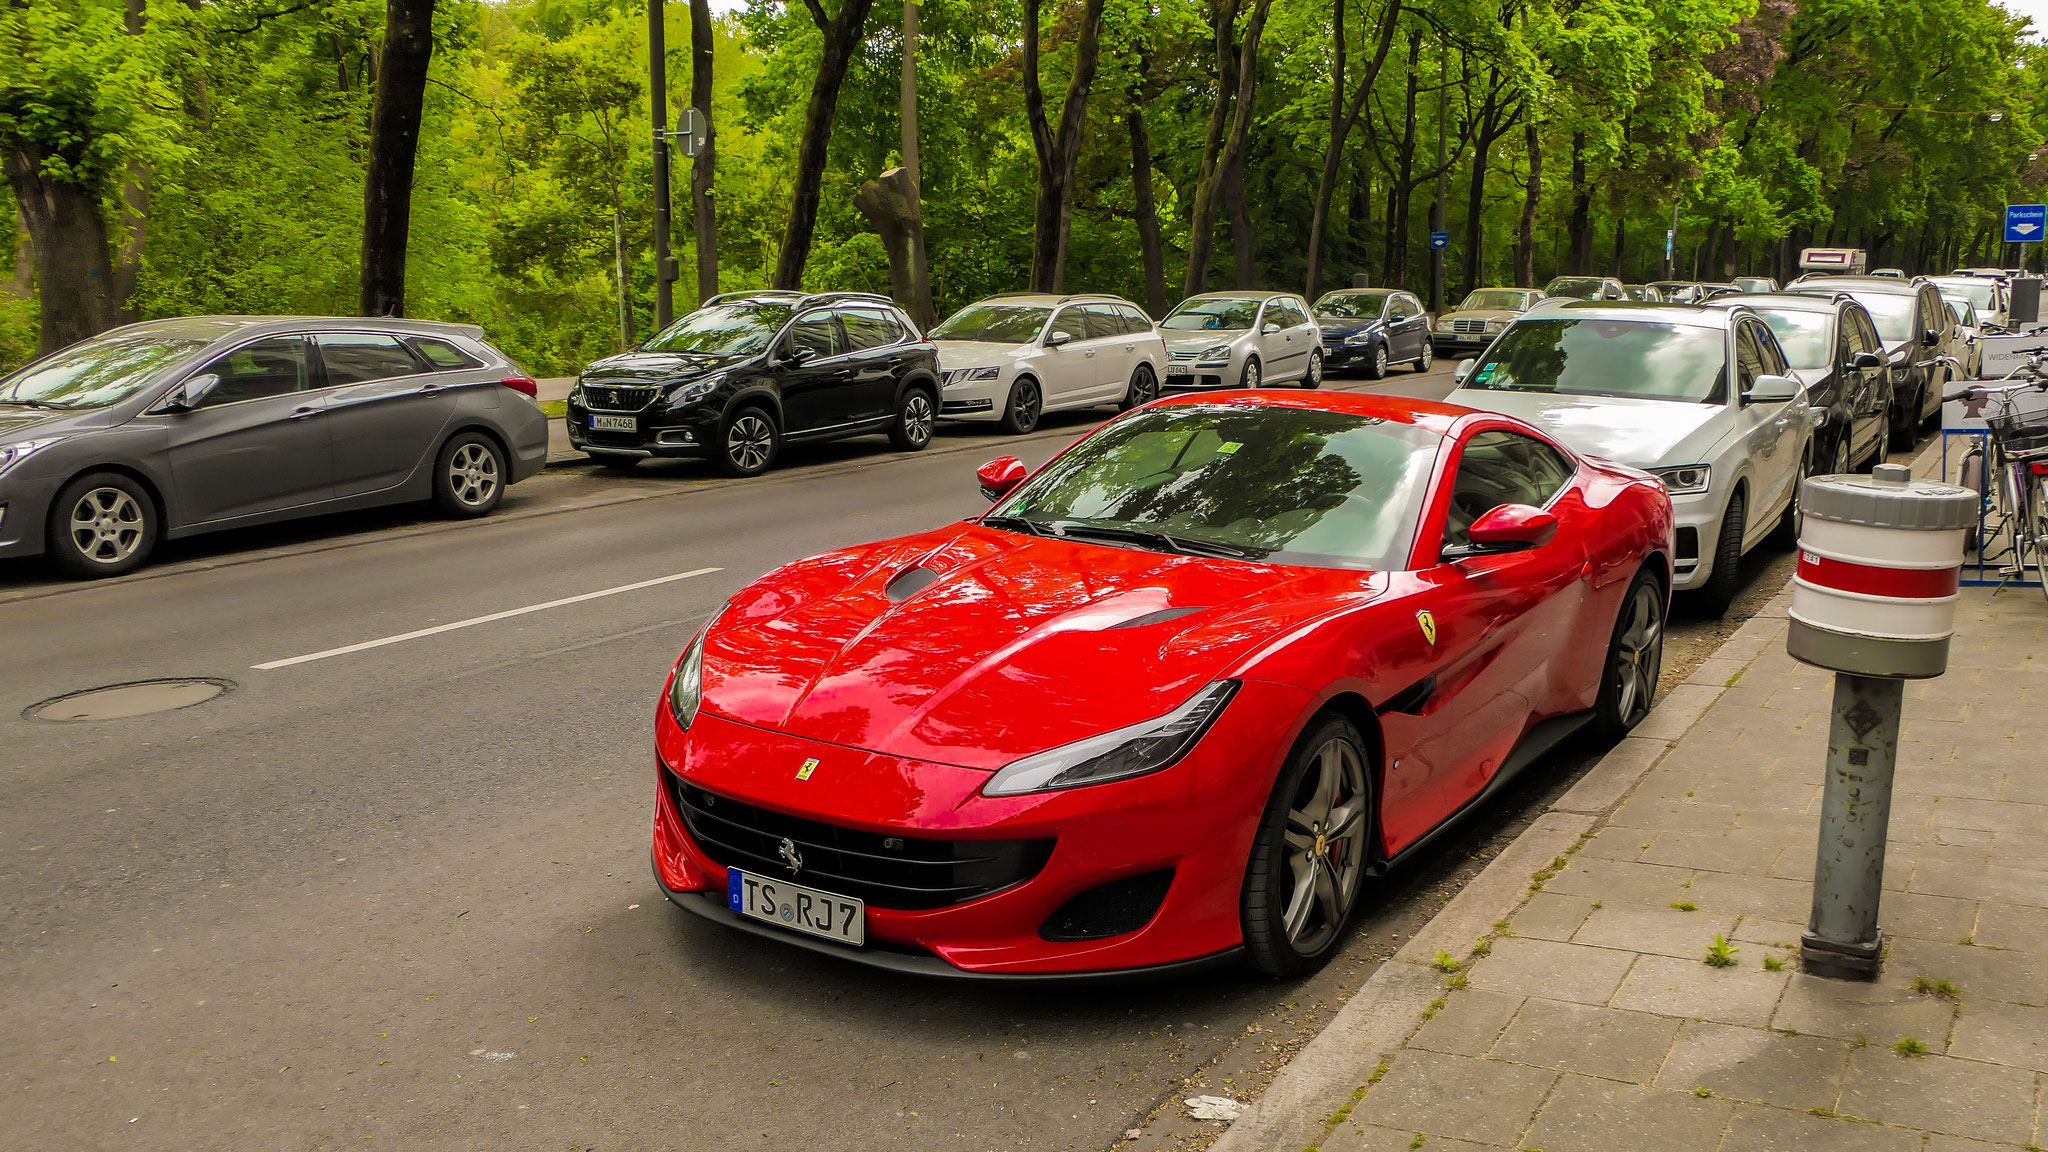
<point>399,895</point>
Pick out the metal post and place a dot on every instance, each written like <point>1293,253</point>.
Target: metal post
<point>1842,939</point>
<point>1670,245</point>
<point>1436,211</point>
<point>657,96</point>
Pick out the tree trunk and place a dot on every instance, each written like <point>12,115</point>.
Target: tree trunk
<point>394,146</point>
<point>134,202</point>
<point>1532,193</point>
<point>703,206</point>
<point>1620,232</point>
<point>67,233</point>
<point>1057,150</point>
<point>1229,160</point>
<point>889,201</point>
<point>622,277</point>
<point>1404,179</point>
<point>1358,218</point>
<point>1579,226</point>
<point>1343,114</point>
<point>1147,212</point>
<point>918,292</point>
<point>1243,242</point>
<point>1475,196</point>
<point>841,35</point>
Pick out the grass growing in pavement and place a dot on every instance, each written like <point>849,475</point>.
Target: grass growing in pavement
<point>1939,989</point>
<point>1773,964</point>
<point>1909,1046</point>
<point>1445,962</point>
<point>1685,906</point>
<point>1721,954</point>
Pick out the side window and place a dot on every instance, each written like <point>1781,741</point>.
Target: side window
<point>1865,339</point>
<point>1749,361</point>
<point>1773,357</point>
<point>359,357</point>
<point>870,328</point>
<point>1397,310</point>
<point>1071,322</point>
<point>273,367</point>
<point>1101,321</point>
<point>1135,322</point>
<point>443,356</point>
<point>1502,468</point>
<point>1296,314</point>
<point>817,332</point>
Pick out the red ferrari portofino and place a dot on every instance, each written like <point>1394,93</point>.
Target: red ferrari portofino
<point>1174,699</point>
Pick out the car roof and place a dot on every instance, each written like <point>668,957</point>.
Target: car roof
<point>1243,294</point>
<point>1053,299</point>
<point>1892,284</point>
<point>1779,301</point>
<point>1430,415</point>
<point>1699,315</point>
<point>211,328</point>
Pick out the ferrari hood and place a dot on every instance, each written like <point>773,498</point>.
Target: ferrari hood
<point>974,647</point>
<point>1639,433</point>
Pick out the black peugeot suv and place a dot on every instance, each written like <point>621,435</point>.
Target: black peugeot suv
<point>734,381</point>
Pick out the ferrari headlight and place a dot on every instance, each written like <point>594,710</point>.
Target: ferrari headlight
<point>695,390</point>
<point>1684,478</point>
<point>1119,755</point>
<point>686,687</point>
<point>1217,354</point>
<point>15,453</point>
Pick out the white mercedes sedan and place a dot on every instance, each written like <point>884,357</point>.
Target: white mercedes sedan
<point>1700,397</point>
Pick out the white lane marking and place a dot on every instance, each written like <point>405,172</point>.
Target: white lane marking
<point>475,620</point>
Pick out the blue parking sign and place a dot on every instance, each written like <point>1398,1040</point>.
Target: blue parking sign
<point>2024,223</point>
<point>1439,239</point>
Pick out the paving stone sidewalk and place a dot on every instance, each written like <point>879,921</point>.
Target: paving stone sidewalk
<point>1572,1009</point>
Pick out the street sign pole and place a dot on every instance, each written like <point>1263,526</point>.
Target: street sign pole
<point>2025,224</point>
<point>657,90</point>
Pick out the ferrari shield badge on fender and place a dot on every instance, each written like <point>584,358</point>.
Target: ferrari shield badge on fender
<point>804,773</point>
<point>1427,621</point>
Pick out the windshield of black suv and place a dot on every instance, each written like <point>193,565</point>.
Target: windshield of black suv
<point>1637,358</point>
<point>1495,299</point>
<point>1352,305</point>
<point>1576,287</point>
<point>96,373</point>
<point>1296,486</point>
<point>740,328</point>
<point>1808,338</point>
<point>1893,312</point>
<point>994,323</point>
<point>1213,315</point>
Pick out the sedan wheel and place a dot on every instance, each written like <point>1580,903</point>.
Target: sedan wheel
<point>1635,658</point>
<point>1021,415</point>
<point>1252,376</point>
<point>1427,358</point>
<point>1843,465</point>
<point>1377,368</point>
<point>1143,390</point>
<point>750,444</point>
<point>1314,378</point>
<point>1309,857</point>
<point>102,524</point>
<point>914,416</point>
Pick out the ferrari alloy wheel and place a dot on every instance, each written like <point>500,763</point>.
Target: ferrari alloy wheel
<point>1020,415</point>
<point>1635,658</point>
<point>1252,376</point>
<point>1309,858</point>
<point>1144,389</point>
<point>750,444</point>
<point>102,524</point>
<point>1314,377</point>
<point>914,416</point>
<point>1427,358</point>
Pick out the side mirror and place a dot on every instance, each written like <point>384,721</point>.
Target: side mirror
<point>191,394</point>
<point>1930,338</point>
<point>1058,339</point>
<point>1864,361</point>
<point>1463,370</point>
<point>1511,528</point>
<point>797,356</point>
<point>1000,476</point>
<point>1269,329</point>
<point>1771,389</point>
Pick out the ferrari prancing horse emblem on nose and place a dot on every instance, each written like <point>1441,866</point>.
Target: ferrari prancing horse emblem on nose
<point>804,773</point>
<point>1427,621</point>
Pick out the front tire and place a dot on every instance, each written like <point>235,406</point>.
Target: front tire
<point>750,444</point>
<point>1310,853</point>
<point>469,476</point>
<point>1253,376</point>
<point>1376,368</point>
<point>1144,389</point>
<point>1020,414</point>
<point>915,413</point>
<point>1785,533</point>
<point>1635,658</point>
<point>1719,591</point>
<point>1905,424</point>
<point>102,524</point>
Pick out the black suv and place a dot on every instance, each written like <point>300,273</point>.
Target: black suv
<point>1917,331</point>
<point>736,380</point>
<point>1833,349</point>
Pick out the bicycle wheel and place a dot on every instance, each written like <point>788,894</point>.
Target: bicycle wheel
<point>2037,528</point>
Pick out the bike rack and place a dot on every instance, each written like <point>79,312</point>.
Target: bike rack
<point>1981,563</point>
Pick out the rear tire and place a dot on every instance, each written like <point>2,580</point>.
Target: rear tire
<point>1143,389</point>
<point>1428,357</point>
<point>1310,853</point>
<point>469,476</point>
<point>1905,424</point>
<point>1635,658</point>
<point>915,413</point>
<point>1718,592</point>
<point>102,524</point>
<point>1313,378</point>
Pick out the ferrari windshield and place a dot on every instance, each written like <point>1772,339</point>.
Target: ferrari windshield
<point>1497,299</point>
<point>97,372</point>
<point>1291,485</point>
<point>1636,358</point>
<point>740,328</point>
<point>1213,314</point>
<point>994,323</point>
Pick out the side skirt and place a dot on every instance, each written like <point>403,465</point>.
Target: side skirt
<point>1534,744</point>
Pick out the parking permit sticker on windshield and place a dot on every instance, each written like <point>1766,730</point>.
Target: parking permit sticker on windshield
<point>1228,447</point>
<point>1481,376</point>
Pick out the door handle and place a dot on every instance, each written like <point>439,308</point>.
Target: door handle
<point>430,389</point>
<point>302,413</point>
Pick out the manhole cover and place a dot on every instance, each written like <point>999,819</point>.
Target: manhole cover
<point>117,701</point>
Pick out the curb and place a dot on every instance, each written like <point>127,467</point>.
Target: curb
<point>1309,1097</point>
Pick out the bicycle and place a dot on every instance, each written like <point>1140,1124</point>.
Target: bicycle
<point>2012,478</point>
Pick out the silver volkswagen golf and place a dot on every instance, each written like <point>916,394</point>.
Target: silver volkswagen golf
<point>172,428</point>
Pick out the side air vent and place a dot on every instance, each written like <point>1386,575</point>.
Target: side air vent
<point>909,583</point>
<point>1159,617</point>
<point>1112,909</point>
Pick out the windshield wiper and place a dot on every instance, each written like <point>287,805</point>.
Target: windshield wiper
<point>1162,541</point>
<point>1023,524</point>
<point>35,404</point>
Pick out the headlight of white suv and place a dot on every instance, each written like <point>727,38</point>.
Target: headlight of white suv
<point>1684,478</point>
<point>1218,354</point>
<point>1133,751</point>
<point>15,453</point>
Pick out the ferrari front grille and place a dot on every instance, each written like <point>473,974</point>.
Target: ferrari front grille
<point>905,872</point>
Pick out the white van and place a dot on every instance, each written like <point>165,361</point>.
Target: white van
<point>1834,261</point>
